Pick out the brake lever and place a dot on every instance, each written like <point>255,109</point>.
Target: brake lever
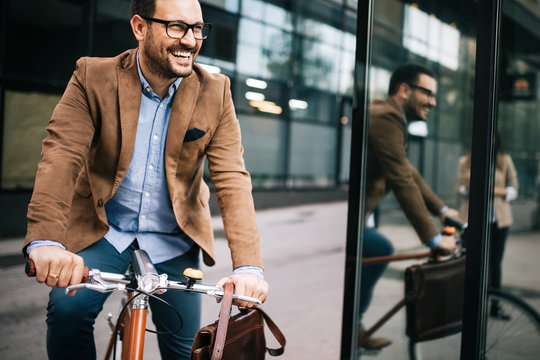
<point>96,283</point>
<point>101,287</point>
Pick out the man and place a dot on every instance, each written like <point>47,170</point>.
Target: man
<point>412,92</point>
<point>122,169</point>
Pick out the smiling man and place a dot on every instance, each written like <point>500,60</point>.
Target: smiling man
<point>412,93</point>
<point>122,168</point>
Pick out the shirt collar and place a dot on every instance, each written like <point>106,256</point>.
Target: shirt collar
<point>147,89</point>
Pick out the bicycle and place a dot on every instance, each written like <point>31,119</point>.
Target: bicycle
<point>517,337</point>
<point>140,283</point>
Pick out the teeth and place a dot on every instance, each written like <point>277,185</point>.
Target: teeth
<point>184,54</point>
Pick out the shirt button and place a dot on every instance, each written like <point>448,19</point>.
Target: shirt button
<point>147,194</point>
<point>143,217</point>
<point>151,167</point>
<point>160,105</point>
<point>100,203</point>
<point>147,89</point>
<point>155,137</point>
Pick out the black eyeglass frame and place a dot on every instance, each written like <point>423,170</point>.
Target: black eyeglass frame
<point>426,91</point>
<point>188,26</point>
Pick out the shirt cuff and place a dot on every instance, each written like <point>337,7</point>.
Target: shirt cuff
<point>249,270</point>
<point>434,241</point>
<point>37,243</point>
<point>443,209</point>
<point>511,193</point>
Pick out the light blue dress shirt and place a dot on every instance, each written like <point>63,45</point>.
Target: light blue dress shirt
<point>141,208</point>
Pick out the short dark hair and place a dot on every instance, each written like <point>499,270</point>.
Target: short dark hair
<point>408,73</point>
<point>143,8</point>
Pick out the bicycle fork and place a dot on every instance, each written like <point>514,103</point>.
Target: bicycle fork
<point>133,345</point>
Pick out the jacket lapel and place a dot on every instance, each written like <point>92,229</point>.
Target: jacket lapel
<point>129,99</point>
<point>181,112</point>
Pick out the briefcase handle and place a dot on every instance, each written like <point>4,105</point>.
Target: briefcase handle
<point>223,323</point>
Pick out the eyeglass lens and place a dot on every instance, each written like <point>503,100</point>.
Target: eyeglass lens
<point>177,30</point>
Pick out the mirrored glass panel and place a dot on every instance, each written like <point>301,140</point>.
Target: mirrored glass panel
<point>420,86</point>
<point>513,325</point>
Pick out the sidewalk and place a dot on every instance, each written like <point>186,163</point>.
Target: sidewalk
<point>304,253</point>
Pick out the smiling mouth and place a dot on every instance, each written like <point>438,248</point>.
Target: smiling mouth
<point>181,54</point>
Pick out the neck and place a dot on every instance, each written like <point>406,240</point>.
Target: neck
<point>158,84</point>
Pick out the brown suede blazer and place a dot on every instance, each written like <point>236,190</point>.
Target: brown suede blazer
<point>90,144</point>
<point>388,168</point>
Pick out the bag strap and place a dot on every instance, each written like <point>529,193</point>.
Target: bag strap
<point>275,331</point>
<point>224,314</point>
<point>223,323</point>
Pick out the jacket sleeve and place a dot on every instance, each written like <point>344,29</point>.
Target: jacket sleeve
<point>387,136</point>
<point>511,174</point>
<point>64,150</point>
<point>232,185</point>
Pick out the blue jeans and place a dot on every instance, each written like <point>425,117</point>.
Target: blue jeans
<point>70,320</point>
<point>375,244</point>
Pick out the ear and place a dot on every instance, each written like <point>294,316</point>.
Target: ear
<point>138,25</point>
<point>404,91</point>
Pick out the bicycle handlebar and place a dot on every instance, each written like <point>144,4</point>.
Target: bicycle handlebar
<point>145,278</point>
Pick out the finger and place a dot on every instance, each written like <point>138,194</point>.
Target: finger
<point>42,268</point>
<point>52,277</point>
<point>77,271</point>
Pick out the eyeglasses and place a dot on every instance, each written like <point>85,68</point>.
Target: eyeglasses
<point>427,92</point>
<point>177,29</point>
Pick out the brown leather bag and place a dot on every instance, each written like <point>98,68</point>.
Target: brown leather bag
<point>240,337</point>
<point>434,299</point>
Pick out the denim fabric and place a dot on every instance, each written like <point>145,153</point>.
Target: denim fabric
<point>375,244</point>
<point>71,320</point>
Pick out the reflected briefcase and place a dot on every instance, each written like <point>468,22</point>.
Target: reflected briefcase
<point>434,299</point>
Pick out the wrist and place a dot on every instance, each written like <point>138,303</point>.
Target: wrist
<point>250,270</point>
<point>435,241</point>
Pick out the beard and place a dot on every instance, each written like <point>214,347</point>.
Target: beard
<point>161,66</point>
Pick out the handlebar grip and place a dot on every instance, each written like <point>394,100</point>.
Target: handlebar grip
<point>30,270</point>
<point>453,222</point>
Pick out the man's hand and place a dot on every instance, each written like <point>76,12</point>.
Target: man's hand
<point>446,246</point>
<point>251,285</point>
<point>56,266</point>
<point>453,213</point>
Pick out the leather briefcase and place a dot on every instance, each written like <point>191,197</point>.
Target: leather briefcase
<point>240,337</point>
<point>434,299</point>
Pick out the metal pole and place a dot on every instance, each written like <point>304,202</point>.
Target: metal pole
<point>355,217</point>
<point>482,172</point>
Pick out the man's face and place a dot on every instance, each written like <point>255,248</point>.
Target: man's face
<point>422,98</point>
<point>166,57</point>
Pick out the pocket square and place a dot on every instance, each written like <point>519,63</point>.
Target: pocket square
<point>193,134</point>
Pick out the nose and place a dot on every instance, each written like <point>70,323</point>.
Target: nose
<point>432,101</point>
<point>188,39</point>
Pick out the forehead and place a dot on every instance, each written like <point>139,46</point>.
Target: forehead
<point>427,82</point>
<point>186,10</point>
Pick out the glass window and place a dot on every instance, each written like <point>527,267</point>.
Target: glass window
<point>317,69</point>
<point>112,32</point>
<point>254,95</point>
<point>253,9</point>
<point>26,115</point>
<point>249,60</point>
<point>264,141</point>
<point>278,16</point>
<point>229,5</point>
<point>312,105</point>
<point>45,38</point>
<point>313,153</point>
<point>221,43</point>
